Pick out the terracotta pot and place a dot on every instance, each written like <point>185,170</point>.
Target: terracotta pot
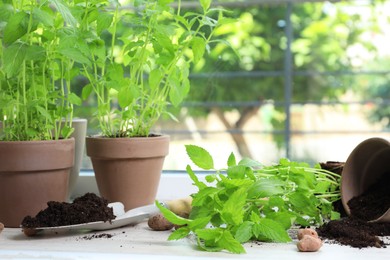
<point>79,134</point>
<point>364,166</point>
<point>128,170</point>
<point>31,174</point>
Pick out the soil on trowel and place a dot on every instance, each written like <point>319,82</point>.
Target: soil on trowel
<point>87,208</point>
<point>355,230</point>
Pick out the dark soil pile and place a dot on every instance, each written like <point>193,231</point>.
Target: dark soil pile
<point>374,202</point>
<point>355,230</point>
<point>87,208</point>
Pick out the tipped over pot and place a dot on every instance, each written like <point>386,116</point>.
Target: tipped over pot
<point>368,164</point>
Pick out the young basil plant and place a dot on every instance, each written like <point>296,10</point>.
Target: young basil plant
<point>249,201</point>
<point>139,58</point>
<point>36,70</point>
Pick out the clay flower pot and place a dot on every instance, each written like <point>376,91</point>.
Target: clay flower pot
<point>31,174</point>
<point>366,164</point>
<point>128,170</point>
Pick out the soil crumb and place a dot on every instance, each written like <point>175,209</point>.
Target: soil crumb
<point>94,236</point>
<point>355,230</point>
<point>87,208</point>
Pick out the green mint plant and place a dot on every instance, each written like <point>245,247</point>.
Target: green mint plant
<point>36,70</point>
<point>249,201</point>
<point>139,58</point>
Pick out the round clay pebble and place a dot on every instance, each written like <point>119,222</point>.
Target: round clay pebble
<point>309,244</point>
<point>306,231</point>
<point>159,223</point>
<point>1,227</point>
<point>29,232</point>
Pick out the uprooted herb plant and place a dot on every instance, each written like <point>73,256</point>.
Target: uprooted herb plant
<point>249,201</point>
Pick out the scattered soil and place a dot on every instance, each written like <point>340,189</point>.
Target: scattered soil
<point>355,230</point>
<point>94,236</point>
<point>87,208</point>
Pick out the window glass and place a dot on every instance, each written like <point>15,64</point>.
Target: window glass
<point>307,80</point>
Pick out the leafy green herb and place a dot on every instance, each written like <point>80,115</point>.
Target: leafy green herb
<point>248,201</point>
<point>139,59</point>
<point>36,70</point>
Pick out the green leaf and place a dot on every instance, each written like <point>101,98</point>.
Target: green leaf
<point>205,4</point>
<point>199,223</point>
<point>35,53</point>
<point>179,233</point>
<point>43,112</point>
<point>115,72</point>
<point>250,163</point>
<point>233,209</point>
<point>238,171</point>
<point>125,97</point>
<point>334,215</point>
<point>244,232</point>
<point>16,27</point>
<point>322,187</point>
<point>6,11</point>
<point>271,230</point>
<point>87,89</point>
<point>74,99</point>
<point>228,242</point>
<point>14,56</point>
<point>204,194</point>
<point>103,22</point>
<point>195,179</point>
<point>75,54</point>
<point>235,183</point>
<point>65,12</point>
<point>66,131</point>
<point>172,217</point>
<point>198,46</point>
<point>200,157</point>
<point>178,90</point>
<point>285,219</point>
<point>264,188</point>
<point>231,160</point>
<point>302,203</point>
<point>155,78</point>
<point>44,17</point>
<point>209,234</point>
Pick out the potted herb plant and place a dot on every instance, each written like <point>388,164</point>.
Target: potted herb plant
<point>140,68</point>
<point>36,102</point>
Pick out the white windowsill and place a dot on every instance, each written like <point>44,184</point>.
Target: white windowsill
<point>173,185</point>
<point>139,242</point>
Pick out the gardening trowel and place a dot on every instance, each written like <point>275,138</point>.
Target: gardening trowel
<point>123,218</point>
